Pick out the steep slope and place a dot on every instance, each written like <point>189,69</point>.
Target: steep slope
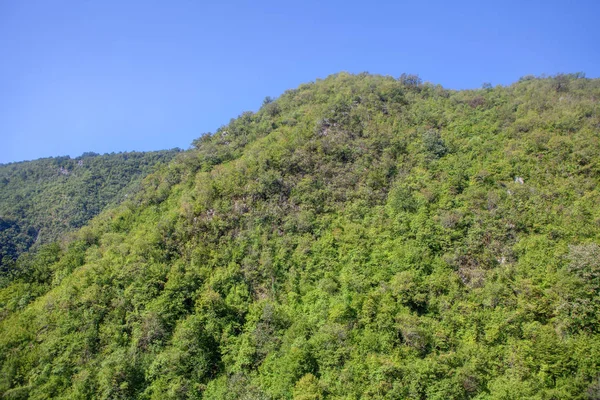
<point>42,200</point>
<point>359,237</point>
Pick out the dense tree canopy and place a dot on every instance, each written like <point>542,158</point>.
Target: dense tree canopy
<point>42,200</point>
<point>359,237</point>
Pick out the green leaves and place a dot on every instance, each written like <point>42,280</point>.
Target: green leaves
<point>358,237</point>
<point>43,200</point>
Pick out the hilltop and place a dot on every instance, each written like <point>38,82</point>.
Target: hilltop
<point>360,236</point>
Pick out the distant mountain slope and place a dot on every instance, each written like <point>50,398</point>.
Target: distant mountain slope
<point>359,237</point>
<point>41,200</point>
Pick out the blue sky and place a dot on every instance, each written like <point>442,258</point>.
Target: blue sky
<point>110,76</point>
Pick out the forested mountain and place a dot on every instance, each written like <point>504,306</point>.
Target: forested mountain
<point>42,200</point>
<point>359,237</point>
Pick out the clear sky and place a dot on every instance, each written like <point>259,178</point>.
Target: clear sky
<point>122,75</point>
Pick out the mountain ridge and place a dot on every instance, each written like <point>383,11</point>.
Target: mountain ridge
<point>360,236</point>
<point>44,199</point>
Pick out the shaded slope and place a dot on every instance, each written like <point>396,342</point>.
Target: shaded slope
<point>359,237</point>
<point>42,200</point>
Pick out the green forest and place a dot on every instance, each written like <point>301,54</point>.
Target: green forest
<point>359,237</point>
<point>42,200</point>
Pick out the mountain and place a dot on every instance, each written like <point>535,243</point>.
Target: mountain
<point>42,200</point>
<point>359,237</point>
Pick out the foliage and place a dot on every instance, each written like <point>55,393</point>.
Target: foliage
<point>42,200</point>
<point>358,237</point>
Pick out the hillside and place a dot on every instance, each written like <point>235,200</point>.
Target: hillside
<point>42,200</point>
<point>359,237</point>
